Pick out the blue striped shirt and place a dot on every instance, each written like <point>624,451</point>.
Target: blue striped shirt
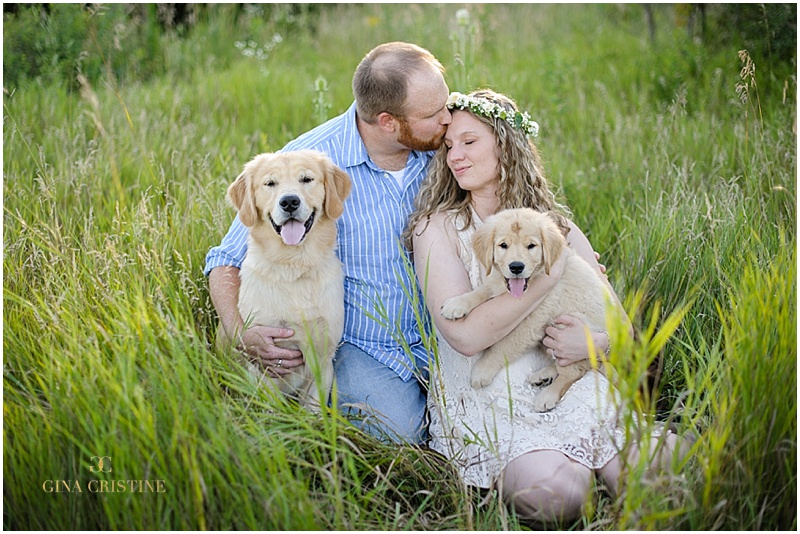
<point>380,318</point>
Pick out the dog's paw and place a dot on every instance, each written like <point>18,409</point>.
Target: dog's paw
<point>544,376</point>
<point>539,381</point>
<point>546,400</point>
<point>480,382</point>
<point>455,308</point>
<point>481,377</point>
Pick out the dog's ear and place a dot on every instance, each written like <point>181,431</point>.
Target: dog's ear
<point>240,194</point>
<point>337,188</point>
<point>483,246</point>
<point>560,220</point>
<point>553,242</point>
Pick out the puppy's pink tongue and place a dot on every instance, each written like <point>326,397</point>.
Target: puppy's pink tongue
<point>516,286</point>
<point>292,232</point>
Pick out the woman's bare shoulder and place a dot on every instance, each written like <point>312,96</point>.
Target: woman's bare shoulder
<point>437,224</point>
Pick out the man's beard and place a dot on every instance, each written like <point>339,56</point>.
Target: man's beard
<point>408,139</point>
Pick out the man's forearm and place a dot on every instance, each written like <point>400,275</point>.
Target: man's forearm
<point>223,286</point>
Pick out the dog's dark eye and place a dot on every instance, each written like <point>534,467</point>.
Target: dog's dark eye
<point>531,246</point>
<point>270,183</point>
<point>306,179</point>
<point>503,246</point>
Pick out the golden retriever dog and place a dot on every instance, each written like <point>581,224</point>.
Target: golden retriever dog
<point>291,276</point>
<point>515,246</point>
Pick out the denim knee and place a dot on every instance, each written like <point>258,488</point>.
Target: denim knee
<point>380,402</point>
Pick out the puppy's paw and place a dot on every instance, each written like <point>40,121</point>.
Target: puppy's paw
<point>481,376</point>
<point>546,400</point>
<point>456,308</point>
<point>544,376</point>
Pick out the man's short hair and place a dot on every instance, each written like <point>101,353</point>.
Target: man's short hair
<point>380,83</point>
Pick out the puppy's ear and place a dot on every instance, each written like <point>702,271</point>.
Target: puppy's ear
<point>553,242</point>
<point>337,188</point>
<point>483,245</point>
<point>240,194</point>
<point>560,220</point>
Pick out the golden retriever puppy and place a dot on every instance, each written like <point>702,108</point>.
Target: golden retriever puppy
<point>514,246</point>
<point>291,276</point>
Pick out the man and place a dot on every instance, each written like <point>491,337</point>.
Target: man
<point>384,142</point>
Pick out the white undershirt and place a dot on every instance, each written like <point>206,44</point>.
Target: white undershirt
<point>398,175</point>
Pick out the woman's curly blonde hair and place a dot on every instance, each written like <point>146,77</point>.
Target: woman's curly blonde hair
<point>522,183</point>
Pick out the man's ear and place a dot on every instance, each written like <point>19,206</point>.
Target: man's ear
<point>387,121</point>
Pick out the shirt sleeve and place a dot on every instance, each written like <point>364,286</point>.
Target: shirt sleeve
<point>231,251</point>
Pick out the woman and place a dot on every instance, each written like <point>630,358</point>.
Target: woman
<point>543,462</point>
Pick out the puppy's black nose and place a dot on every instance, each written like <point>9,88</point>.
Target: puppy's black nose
<point>289,203</point>
<point>516,267</point>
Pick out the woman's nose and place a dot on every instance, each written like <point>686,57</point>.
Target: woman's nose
<point>454,154</point>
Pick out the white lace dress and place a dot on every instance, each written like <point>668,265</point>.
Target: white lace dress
<point>482,430</point>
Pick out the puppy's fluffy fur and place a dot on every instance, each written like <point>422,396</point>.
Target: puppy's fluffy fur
<point>515,246</point>
<point>291,276</point>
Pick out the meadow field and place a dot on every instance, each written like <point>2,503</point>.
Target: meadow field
<point>675,148</point>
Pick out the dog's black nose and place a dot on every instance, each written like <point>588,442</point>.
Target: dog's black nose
<point>516,267</point>
<point>289,203</point>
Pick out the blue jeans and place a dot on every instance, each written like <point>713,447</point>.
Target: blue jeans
<point>383,405</point>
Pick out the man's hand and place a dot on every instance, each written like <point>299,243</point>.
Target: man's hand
<point>256,342</point>
<point>258,345</point>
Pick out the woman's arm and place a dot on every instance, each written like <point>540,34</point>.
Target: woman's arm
<point>442,275</point>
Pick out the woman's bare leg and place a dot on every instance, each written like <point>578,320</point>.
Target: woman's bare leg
<point>662,457</point>
<point>546,486</point>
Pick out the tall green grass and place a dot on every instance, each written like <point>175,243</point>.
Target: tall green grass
<point>114,191</point>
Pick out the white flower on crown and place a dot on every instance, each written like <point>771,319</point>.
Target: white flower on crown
<point>487,108</point>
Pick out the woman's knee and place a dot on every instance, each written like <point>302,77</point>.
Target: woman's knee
<point>546,486</point>
<point>663,455</point>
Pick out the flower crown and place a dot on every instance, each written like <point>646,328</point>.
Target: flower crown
<point>487,108</point>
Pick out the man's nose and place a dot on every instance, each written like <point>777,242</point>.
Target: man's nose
<point>447,117</point>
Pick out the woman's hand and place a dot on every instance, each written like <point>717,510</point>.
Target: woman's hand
<point>566,340</point>
<point>602,267</point>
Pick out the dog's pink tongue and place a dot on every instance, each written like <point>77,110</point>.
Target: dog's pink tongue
<point>516,286</point>
<point>292,232</point>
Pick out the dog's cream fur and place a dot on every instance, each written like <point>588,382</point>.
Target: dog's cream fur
<point>515,246</point>
<point>291,276</point>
